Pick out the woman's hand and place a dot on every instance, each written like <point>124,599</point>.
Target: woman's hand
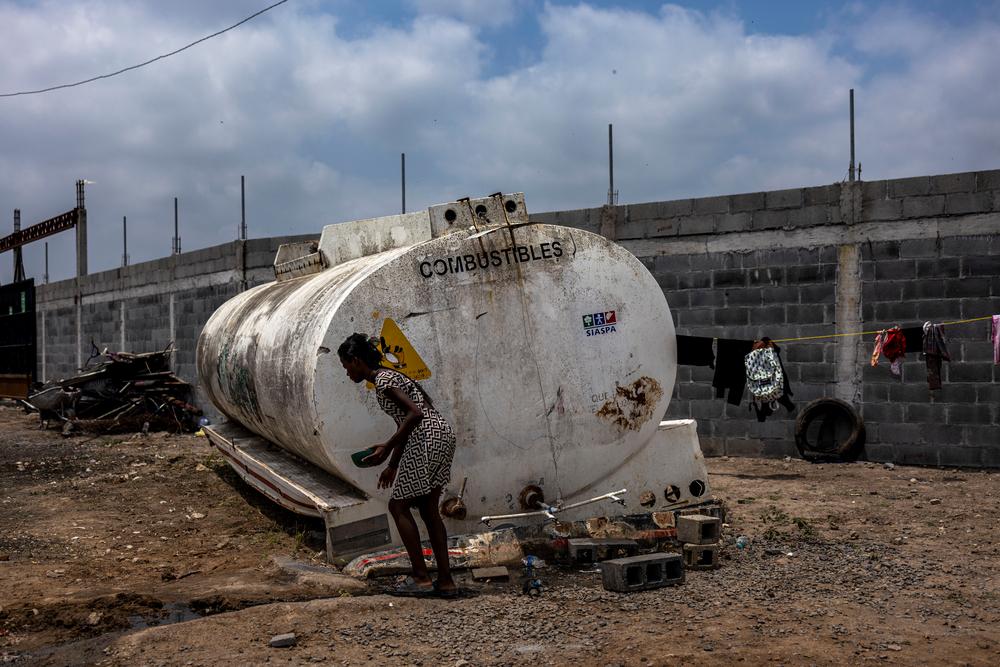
<point>387,477</point>
<point>380,454</point>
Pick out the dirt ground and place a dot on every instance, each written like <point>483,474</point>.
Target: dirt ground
<point>132,550</point>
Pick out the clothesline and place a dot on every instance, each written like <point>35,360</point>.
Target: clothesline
<point>735,360</point>
<point>871,333</point>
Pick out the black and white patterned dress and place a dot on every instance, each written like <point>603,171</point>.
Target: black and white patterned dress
<point>427,454</point>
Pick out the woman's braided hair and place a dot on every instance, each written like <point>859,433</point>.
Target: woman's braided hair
<point>365,348</point>
<point>360,346</point>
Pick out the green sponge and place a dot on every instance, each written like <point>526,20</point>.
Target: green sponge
<point>359,458</point>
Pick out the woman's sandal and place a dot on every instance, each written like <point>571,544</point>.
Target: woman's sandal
<point>411,589</point>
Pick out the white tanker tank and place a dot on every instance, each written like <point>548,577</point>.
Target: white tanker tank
<point>551,350</point>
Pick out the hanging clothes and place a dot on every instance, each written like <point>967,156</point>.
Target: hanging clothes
<point>695,351</point>
<point>995,337</point>
<point>935,349</point>
<point>894,349</point>
<point>763,411</point>
<point>730,371</point>
<point>914,339</point>
<point>877,352</point>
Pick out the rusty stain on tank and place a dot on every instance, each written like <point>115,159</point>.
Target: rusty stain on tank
<point>632,405</point>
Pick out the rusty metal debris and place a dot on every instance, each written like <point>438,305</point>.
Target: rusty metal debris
<point>119,392</point>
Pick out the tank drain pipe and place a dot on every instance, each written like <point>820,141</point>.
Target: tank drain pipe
<point>550,511</point>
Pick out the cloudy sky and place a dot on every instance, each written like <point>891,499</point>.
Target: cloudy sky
<point>315,100</point>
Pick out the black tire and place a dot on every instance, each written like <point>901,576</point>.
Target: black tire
<point>829,429</point>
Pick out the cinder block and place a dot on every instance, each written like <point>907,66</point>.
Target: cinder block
<point>701,556</point>
<point>981,266</point>
<point>823,194</point>
<point>909,187</point>
<point>751,201</point>
<point>660,210</point>
<point>784,198</point>
<point>805,314</point>
<point>493,573</point>
<point>697,224</point>
<point>900,269</point>
<point>882,209</point>
<point>698,529</point>
<point>585,550</point>
<point>731,317</point>
<point>710,205</point>
<point>729,278</point>
<point>714,261</point>
<point>732,222</point>
<point>988,180</point>
<point>923,207</point>
<point>808,216</point>
<point>769,219</point>
<point>694,318</point>
<point>744,297</point>
<point>964,203</point>
<point>773,275</point>
<point>641,573</point>
<point>918,247</point>
<point>948,183</point>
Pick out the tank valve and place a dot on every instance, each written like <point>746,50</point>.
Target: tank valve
<point>454,508</point>
<point>531,498</point>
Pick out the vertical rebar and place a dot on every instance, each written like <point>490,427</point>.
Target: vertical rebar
<point>243,209</point>
<point>402,169</point>
<point>18,258</point>
<point>177,238</point>
<point>124,241</point>
<point>81,228</point>
<point>46,276</point>
<point>611,167</point>
<point>851,169</point>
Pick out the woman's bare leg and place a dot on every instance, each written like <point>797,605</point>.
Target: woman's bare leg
<point>429,512</point>
<point>407,527</point>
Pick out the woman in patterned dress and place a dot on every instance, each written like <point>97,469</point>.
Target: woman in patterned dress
<point>419,454</point>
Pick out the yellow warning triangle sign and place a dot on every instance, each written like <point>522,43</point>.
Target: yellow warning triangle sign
<point>399,354</point>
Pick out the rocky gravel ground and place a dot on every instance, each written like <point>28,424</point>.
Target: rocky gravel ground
<point>845,564</point>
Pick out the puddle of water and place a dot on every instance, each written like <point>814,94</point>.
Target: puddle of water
<point>172,612</point>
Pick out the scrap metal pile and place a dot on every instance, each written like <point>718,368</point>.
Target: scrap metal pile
<point>119,393</point>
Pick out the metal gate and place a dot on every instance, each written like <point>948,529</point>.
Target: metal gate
<point>17,339</point>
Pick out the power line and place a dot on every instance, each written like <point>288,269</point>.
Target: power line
<point>148,62</point>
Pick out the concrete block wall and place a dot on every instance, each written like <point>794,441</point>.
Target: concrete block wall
<point>147,305</point>
<point>846,257</point>
<point>787,263</point>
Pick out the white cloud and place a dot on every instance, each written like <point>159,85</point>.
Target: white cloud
<point>477,12</point>
<point>317,120</point>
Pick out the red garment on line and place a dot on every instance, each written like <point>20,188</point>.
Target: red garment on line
<point>894,346</point>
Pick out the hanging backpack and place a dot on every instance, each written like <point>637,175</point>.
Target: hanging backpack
<point>765,379</point>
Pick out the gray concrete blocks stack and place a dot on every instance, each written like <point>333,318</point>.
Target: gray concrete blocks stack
<point>701,556</point>
<point>593,550</point>
<point>641,573</point>
<point>698,529</point>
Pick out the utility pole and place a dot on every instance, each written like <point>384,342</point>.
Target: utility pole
<point>176,246</point>
<point>850,171</point>
<point>402,166</point>
<point>243,209</point>
<point>124,241</point>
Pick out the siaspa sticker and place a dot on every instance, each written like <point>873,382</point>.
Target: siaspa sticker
<point>597,324</point>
